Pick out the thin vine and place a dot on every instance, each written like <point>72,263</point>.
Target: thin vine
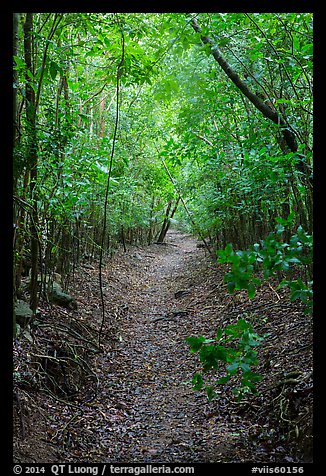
<point>118,77</point>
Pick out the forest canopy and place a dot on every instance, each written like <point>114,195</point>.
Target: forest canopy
<point>136,130</point>
<point>126,121</point>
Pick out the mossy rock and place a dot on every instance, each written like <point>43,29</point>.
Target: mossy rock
<point>23,312</point>
<point>61,298</point>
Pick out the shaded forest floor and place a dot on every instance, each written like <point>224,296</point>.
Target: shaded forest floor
<point>131,402</point>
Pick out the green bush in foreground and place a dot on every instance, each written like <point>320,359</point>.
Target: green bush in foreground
<point>232,352</point>
<point>273,256</point>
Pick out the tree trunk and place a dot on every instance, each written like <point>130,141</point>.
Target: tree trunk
<point>269,113</point>
<point>173,212</point>
<point>167,221</point>
<point>102,116</point>
<point>150,231</point>
<point>165,224</point>
<point>187,210</point>
<point>123,238</point>
<point>31,156</point>
<point>15,79</point>
<point>14,135</point>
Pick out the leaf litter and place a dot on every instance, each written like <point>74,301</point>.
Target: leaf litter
<point>133,400</point>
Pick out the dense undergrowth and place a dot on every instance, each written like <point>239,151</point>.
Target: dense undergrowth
<point>127,122</point>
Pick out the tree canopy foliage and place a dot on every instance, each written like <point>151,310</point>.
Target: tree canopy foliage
<point>106,103</point>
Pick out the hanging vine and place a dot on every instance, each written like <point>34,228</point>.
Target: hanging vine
<point>118,78</point>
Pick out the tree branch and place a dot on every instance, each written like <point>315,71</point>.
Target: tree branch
<point>203,138</point>
<point>267,112</point>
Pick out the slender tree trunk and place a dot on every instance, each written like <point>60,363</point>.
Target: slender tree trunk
<point>32,157</point>
<point>187,209</point>
<point>102,116</point>
<point>123,238</point>
<point>15,79</point>
<point>165,228</point>
<point>165,224</point>
<point>150,231</point>
<point>14,135</point>
<point>14,112</point>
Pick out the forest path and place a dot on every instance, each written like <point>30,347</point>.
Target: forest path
<point>157,415</point>
<point>132,402</point>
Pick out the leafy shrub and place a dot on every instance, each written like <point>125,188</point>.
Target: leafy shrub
<point>273,256</point>
<point>232,352</point>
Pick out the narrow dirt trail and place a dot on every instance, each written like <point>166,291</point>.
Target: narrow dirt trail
<point>164,419</point>
<point>134,401</point>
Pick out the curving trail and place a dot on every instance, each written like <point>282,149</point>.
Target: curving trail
<point>143,408</point>
<point>161,418</point>
<point>135,403</point>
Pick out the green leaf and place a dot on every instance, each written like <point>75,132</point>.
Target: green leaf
<point>231,287</point>
<point>251,377</point>
<point>197,381</point>
<point>223,380</point>
<point>210,392</point>
<point>30,74</point>
<point>195,343</point>
<point>210,356</point>
<point>219,334</point>
<point>19,62</point>
<point>245,367</point>
<point>224,41</point>
<point>84,117</point>
<point>296,43</point>
<point>232,368</point>
<point>54,69</point>
<point>251,291</point>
